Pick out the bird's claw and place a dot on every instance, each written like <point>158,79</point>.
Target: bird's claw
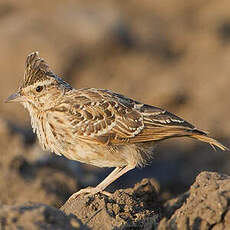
<point>89,192</point>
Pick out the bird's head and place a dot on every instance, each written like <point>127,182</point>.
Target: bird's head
<point>41,87</point>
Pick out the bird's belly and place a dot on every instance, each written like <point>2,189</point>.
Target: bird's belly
<point>60,141</point>
<point>78,150</point>
<point>104,155</point>
<point>97,155</point>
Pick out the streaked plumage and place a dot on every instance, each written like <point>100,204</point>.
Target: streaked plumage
<point>96,126</point>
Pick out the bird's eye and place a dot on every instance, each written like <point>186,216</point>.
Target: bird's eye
<point>39,88</point>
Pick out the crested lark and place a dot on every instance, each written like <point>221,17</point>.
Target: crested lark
<point>96,126</point>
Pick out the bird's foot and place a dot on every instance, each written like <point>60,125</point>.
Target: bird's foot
<point>89,192</point>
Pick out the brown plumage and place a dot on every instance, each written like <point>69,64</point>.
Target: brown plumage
<point>96,126</point>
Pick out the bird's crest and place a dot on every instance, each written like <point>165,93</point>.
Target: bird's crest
<point>36,69</point>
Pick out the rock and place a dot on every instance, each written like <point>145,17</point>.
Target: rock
<point>205,206</point>
<point>136,208</point>
<point>34,216</point>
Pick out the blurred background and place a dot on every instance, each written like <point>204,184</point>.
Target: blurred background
<point>171,54</point>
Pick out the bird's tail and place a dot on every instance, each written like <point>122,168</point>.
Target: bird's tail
<point>202,136</point>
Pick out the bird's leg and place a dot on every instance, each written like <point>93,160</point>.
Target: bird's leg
<point>97,189</point>
<point>115,174</point>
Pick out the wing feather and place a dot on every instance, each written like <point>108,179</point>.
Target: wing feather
<point>97,116</point>
<point>105,117</point>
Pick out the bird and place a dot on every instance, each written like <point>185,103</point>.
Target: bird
<point>96,126</point>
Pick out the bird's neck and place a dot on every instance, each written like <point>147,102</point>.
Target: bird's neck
<point>36,122</point>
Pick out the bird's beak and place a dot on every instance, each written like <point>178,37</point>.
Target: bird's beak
<point>16,97</point>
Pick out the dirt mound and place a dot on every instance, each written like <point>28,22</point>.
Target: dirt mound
<point>136,208</point>
<point>205,206</point>
<point>31,216</point>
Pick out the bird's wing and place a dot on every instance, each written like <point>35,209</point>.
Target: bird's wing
<point>104,117</point>
<point>96,116</point>
<point>160,124</point>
